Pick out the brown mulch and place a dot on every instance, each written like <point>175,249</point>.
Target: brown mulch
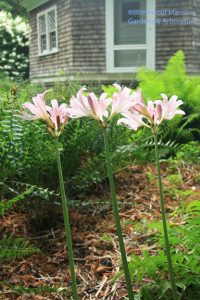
<point>96,251</point>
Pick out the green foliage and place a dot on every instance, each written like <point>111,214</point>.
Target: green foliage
<point>14,7</point>
<point>185,247</point>
<point>197,179</point>
<point>41,290</point>
<point>94,168</point>
<point>189,152</point>
<point>141,146</point>
<point>14,46</point>
<point>175,180</point>
<point>171,81</point>
<point>109,89</point>
<point>148,293</point>
<point>11,248</point>
<point>27,147</point>
<point>150,177</point>
<point>8,204</point>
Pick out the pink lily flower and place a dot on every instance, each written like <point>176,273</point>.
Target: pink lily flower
<point>37,108</point>
<point>59,115</point>
<point>122,100</point>
<point>153,112</point>
<point>132,120</point>
<point>90,106</point>
<point>55,116</point>
<point>169,107</point>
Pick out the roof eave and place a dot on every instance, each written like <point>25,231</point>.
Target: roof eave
<point>30,4</point>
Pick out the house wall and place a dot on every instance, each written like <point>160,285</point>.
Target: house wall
<point>195,53</point>
<point>49,65</point>
<point>88,36</point>
<point>171,38</point>
<point>81,38</point>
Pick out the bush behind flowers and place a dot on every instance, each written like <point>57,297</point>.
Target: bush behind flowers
<point>14,46</point>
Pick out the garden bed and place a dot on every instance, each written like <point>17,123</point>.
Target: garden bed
<point>97,258</point>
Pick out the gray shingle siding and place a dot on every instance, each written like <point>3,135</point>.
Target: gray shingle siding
<point>88,36</point>
<point>81,38</point>
<point>171,38</point>
<point>49,65</point>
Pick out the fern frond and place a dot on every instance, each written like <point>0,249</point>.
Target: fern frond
<point>8,204</point>
<point>11,248</point>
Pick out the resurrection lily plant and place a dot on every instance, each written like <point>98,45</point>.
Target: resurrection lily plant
<point>152,115</point>
<point>103,110</point>
<point>55,117</point>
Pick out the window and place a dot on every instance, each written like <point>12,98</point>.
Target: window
<point>47,31</point>
<point>130,34</point>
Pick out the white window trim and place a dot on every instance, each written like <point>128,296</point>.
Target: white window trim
<point>54,50</point>
<point>110,47</point>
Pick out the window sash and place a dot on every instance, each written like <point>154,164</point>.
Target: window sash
<point>48,31</point>
<point>112,48</point>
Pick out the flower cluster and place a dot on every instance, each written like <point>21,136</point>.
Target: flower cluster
<point>99,109</point>
<point>135,113</point>
<point>130,105</point>
<point>151,114</point>
<point>55,116</point>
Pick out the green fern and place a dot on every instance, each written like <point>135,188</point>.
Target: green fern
<point>11,248</point>
<point>8,204</point>
<point>22,290</point>
<point>185,247</point>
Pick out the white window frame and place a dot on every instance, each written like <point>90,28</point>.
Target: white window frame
<point>111,47</point>
<point>45,13</point>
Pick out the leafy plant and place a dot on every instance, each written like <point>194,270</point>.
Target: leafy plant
<point>8,204</point>
<point>189,152</point>
<point>185,245</point>
<point>175,180</point>
<point>41,290</point>
<point>150,177</point>
<point>14,7</point>
<point>11,248</point>
<point>14,46</point>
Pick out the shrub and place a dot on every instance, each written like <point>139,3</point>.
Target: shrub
<point>14,46</point>
<point>189,152</point>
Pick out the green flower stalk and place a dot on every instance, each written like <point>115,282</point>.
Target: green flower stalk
<point>67,225</point>
<point>151,115</point>
<point>55,117</point>
<point>102,110</point>
<point>116,217</point>
<point>162,204</point>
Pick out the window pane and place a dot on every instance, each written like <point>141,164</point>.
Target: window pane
<point>130,58</point>
<point>43,42</point>
<point>129,19</point>
<point>52,40</point>
<point>52,20</point>
<point>42,24</point>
